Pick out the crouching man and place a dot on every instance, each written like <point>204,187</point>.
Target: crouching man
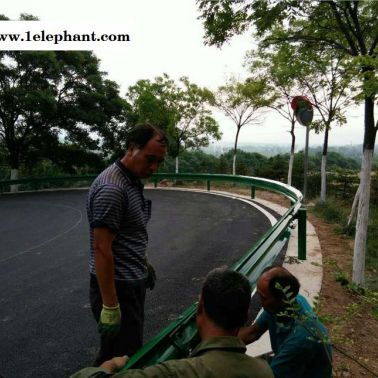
<point>222,310</point>
<point>299,340</point>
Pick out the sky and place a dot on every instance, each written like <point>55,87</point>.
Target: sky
<point>166,36</point>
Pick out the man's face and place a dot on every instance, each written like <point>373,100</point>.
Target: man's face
<point>144,162</point>
<point>268,301</point>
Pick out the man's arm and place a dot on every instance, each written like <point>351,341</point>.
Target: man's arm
<point>251,333</point>
<point>110,317</point>
<point>107,368</point>
<point>103,239</point>
<point>112,368</point>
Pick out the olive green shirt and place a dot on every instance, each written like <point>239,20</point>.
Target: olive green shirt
<point>213,358</point>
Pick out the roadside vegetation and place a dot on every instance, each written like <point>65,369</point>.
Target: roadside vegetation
<point>336,211</point>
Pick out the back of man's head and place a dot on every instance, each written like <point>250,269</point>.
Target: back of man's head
<point>141,134</point>
<point>282,284</point>
<point>226,295</point>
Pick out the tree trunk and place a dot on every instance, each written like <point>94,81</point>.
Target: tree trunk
<point>234,164</point>
<point>292,152</point>
<point>14,176</point>
<point>323,179</point>
<point>290,172</point>
<point>354,207</point>
<point>177,164</point>
<point>14,162</point>
<point>362,220</point>
<point>364,201</point>
<point>323,169</point>
<point>235,149</point>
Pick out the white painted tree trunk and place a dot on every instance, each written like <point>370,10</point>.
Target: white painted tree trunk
<point>362,219</point>
<point>323,179</point>
<point>177,165</point>
<point>290,172</point>
<point>234,164</point>
<point>292,153</point>
<point>354,207</point>
<point>14,176</point>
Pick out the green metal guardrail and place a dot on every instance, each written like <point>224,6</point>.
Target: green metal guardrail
<point>181,336</point>
<point>43,182</point>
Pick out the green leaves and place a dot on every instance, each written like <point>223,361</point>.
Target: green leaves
<point>180,108</point>
<point>47,93</point>
<point>343,28</point>
<point>223,19</point>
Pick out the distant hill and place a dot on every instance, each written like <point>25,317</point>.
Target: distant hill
<point>269,150</point>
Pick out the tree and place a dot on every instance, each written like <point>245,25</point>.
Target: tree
<point>241,101</point>
<point>179,108</point>
<point>328,84</point>
<point>321,76</point>
<point>46,96</point>
<point>282,77</point>
<point>349,27</point>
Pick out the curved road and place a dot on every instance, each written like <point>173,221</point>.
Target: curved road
<point>46,326</point>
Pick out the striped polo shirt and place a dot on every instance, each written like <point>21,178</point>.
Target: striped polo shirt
<point>116,201</point>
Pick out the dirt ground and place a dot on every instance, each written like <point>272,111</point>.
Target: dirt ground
<point>348,315</point>
<point>351,317</point>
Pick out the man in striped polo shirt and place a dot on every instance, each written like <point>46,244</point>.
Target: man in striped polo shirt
<point>118,214</point>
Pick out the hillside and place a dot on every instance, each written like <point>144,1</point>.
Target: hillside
<point>268,150</point>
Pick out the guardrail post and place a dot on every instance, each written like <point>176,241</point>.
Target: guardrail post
<point>208,185</point>
<point>302,230</point>
<point>253,191</point>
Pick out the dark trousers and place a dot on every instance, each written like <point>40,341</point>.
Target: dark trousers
<point>130,336</point>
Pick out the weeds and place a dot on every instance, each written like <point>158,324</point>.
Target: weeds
<point>336,212</point>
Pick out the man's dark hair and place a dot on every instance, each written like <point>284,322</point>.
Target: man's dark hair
<point>226,295</point>
<point>141,134</point>
<point>281,279</point>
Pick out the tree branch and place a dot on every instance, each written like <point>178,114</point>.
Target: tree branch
<point>357,33</point>
<point>311,39</point>
<point>373,46</point>
<point>282,113</point>
<point>342,26</point>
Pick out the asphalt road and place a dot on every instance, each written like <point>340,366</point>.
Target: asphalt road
<point>46,327</point>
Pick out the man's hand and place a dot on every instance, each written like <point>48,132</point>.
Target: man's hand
<point>115,364</point>
<point>151,276</point>
<point>110,321</point>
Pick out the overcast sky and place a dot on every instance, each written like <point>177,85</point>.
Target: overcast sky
<point>166,36</point>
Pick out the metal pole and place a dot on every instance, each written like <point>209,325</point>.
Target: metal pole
<point>302,230</point>
<point>208,185</point>
<point>305,163</point>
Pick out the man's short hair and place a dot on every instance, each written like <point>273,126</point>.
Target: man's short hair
<point>141,134</point>
<point>280,279</point>
<point>226,296</point>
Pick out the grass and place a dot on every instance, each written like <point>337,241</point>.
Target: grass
<point>336,212</point>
